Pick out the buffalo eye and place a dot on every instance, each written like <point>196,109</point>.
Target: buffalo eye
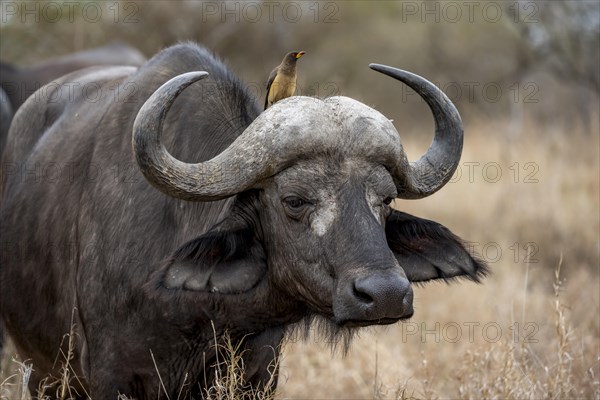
<point>386,210</point>
<point>295,206</point>
<point>294,202</point>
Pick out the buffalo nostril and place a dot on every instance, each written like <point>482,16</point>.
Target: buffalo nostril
<point>361,294</point>
<point>383,295</point>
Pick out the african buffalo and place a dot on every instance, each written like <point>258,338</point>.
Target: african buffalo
<point>261,223</point>
<point>19,83</point>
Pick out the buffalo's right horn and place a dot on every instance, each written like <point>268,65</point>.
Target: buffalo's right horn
<point>250,158</point>
<point>234,170</point>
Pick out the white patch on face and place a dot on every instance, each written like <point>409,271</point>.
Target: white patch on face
<point>372,201</point>
<point>326,214</point>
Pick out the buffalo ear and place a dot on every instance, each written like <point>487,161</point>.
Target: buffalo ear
<point>225,260</point>
<point>427,250</point>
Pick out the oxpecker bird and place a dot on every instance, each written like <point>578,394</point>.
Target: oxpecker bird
<point>282,81</point>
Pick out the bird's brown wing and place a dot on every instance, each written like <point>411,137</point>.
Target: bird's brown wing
<point>269,83</point>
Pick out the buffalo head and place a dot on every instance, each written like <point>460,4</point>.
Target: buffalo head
<point>314,181</point>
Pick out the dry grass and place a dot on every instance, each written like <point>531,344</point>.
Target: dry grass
<point>231,385</point>
<point>530,331</point>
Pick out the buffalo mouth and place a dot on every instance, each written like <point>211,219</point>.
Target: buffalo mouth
<point>356,323</point>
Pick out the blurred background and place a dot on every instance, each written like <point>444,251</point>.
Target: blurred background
<point>492,58</point>
<point>525,76</point>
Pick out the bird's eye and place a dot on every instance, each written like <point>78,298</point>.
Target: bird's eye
<point>388,201</point>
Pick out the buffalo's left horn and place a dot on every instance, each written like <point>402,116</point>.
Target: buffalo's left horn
<point>435,168</point>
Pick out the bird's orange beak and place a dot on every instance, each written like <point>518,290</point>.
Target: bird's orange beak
<point>300,54</point>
